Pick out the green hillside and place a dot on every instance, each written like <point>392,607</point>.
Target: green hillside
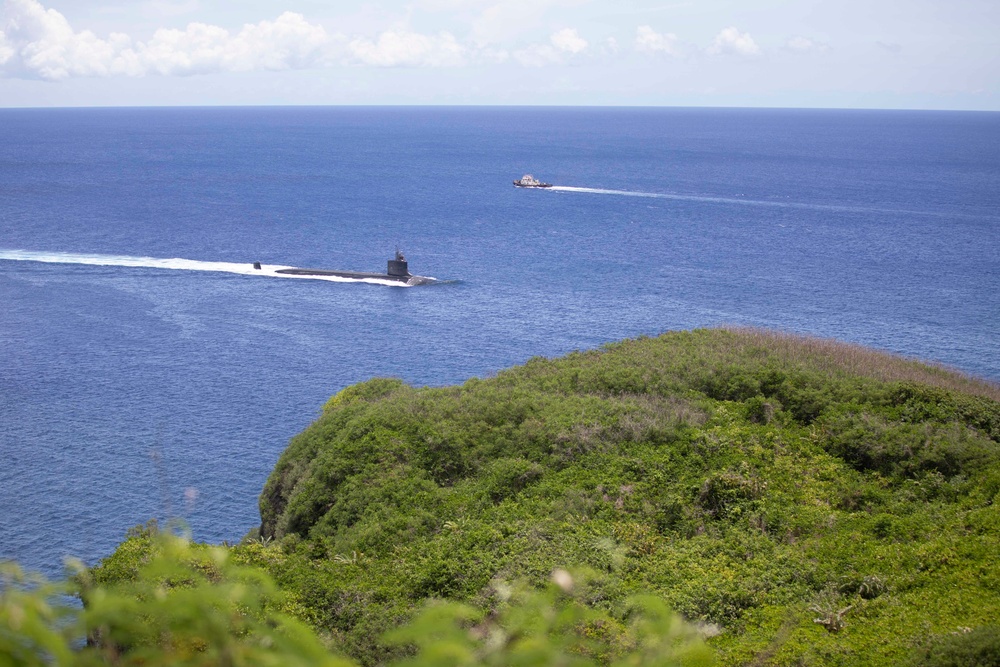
<point>798,501</point>
<point>804,501</point>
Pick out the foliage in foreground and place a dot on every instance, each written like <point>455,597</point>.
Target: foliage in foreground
<point>192,605</point>
<point>180,606</point>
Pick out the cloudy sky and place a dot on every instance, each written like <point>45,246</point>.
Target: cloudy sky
<point>922,54</point>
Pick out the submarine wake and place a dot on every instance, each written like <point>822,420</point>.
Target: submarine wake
<point>179,264</point>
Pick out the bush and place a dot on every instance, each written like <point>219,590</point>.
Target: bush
<point>553,626</point>
<point>975,648</point>
<point>369,391</point>
<point>185,605</point>
<point>32,628</point>
<point>505,478</point>
<point>192,605</point>
<point>729,491</point>
<point>917,403</point>
<point>906,450</point>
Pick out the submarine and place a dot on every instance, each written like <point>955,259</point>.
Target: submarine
<point>396,271</point>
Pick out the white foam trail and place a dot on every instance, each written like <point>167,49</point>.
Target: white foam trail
<point>717,200</point>
<point>599,191</point>
<point>177,264</point>
<point>745,202</point>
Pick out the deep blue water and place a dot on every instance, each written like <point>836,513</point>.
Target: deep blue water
<point>128,392</point>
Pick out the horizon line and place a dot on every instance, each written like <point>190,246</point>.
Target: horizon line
<point>495,106</point>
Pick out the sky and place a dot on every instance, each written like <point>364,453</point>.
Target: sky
<point>889,54</point>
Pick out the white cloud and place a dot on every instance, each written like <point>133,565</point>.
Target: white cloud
<point>492,55</point>
<point>6,50</point>
<point>395,48</point>
<point>536,55</point>
<point>568,40</point>
<point>288,42</point>
<point>648,40</point>
<point>801,44</point>
<point>40,43</point>
<point>733,42</point>
<point>562,44</point>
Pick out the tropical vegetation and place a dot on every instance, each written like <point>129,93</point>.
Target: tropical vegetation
<point>795,501</point>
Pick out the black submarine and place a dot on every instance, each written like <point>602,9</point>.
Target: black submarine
<point>396,271</point>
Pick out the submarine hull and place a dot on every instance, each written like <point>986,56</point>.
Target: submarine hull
<point>359,275</point>
<point>396,271</point>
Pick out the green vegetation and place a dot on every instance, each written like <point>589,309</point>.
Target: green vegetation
<point>797,501</point>
<point>815,502</point>
<point>966,648</point>
<point>163,601</point>
<point>178,605</point>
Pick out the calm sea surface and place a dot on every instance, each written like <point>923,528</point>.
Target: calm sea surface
<point>143,374</point>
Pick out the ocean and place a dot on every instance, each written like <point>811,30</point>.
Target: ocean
<point>147,370</point>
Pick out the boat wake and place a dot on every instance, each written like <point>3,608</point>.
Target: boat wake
<point>716,200</point>
<point>741,201</point>
<point>600,191</point>
<point>178,264</point>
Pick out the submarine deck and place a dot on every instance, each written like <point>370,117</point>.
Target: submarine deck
<point>343,274</point>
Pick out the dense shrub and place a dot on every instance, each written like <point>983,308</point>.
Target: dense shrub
<point>920,403</point>
<point>505,478</point>
<point>727,492</point>
<point>193,605</point>
<point>183,605</point>
<point>968,648</point>
<point>907,449</point>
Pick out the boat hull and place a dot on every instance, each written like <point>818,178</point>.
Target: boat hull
<point>529,181</point>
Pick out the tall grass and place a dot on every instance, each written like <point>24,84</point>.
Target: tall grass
<point>835,356</point>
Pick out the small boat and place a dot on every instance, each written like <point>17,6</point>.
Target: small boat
<point>529,181</point>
